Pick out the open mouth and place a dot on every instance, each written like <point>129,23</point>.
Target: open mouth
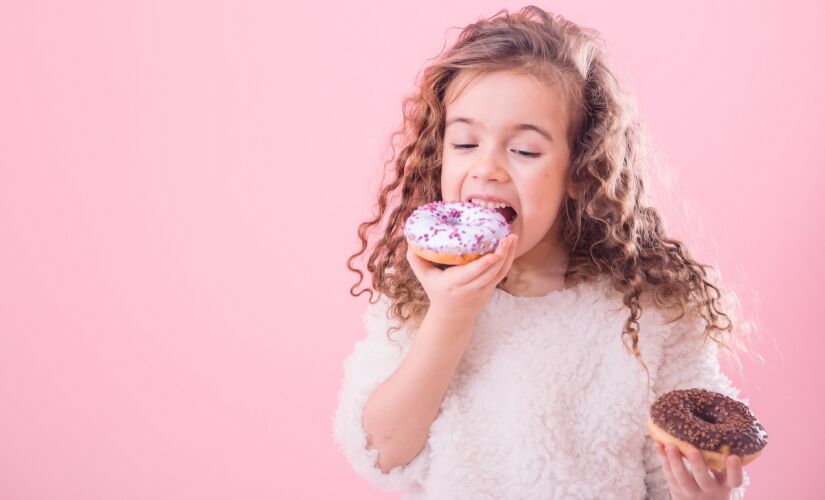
<point>505,210</point>
<point>509,214</point>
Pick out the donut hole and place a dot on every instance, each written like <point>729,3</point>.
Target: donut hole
<point>707,417</point>
<point>509,214</point>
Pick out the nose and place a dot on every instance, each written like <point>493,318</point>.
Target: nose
<point>489,167</point>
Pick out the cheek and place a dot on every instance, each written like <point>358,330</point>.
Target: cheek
<point>450,182</point>
<point>541,195</point>
<point>447,187</point>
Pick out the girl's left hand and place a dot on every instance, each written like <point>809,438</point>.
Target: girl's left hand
<point>701,482</point>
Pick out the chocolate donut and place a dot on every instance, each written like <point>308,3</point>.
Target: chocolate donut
<point>713,423</point>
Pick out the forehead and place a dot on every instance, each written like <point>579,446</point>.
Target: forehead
<point>502,98</point>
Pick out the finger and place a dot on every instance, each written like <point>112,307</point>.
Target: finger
<point>489,275</point>
<point>509,256</point>
<point>734,472</point>
<point>496,273</point>
<point>473,270</point>
<point>421,267</point>
<point>683,477</point>
<point>465,273</point>
<point>666,465</point>
<point>701,472</point>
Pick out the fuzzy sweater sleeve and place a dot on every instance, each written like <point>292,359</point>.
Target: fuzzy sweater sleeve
<point>373,359</point>
<point>687,361</point>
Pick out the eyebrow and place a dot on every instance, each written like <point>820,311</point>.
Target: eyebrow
<point>518,126</point>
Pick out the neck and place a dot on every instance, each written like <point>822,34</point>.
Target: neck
<point>541,269</point>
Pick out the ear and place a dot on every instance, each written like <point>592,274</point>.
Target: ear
<point>570,191</point>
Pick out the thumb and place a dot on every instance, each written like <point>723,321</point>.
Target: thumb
<point>421,267</point>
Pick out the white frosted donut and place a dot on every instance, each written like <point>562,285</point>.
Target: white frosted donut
<point>455,229</point>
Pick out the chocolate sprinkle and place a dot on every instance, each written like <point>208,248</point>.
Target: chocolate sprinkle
<point>708,420</point>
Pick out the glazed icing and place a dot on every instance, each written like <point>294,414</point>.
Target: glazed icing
<point>456,227</point>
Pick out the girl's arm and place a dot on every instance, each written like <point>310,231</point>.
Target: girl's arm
<point>398,414</point>
<point>396,396</point>
<point>371,365</point>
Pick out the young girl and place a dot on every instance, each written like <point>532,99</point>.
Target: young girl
<point>529,373</point>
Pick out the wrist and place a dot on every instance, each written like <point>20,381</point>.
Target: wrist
<point>452,317</point>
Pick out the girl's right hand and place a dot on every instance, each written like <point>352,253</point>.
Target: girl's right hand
<point>461,292</point>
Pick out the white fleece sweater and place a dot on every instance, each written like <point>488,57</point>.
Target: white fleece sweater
<point>545,403</point>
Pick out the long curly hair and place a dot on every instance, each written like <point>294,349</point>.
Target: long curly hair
<point>609,229</point>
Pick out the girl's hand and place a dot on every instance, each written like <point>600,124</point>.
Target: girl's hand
<point>701,482</point>
<point>461,292</point>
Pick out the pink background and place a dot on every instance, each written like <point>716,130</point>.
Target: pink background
<point>180,184</point>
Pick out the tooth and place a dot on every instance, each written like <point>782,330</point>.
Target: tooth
<point>488,204</point>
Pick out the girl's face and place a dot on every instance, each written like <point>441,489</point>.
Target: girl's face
<point>506,137</point>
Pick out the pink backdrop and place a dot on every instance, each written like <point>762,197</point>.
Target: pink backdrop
<point>180,184</point>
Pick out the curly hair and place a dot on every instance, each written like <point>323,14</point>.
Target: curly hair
<point>608,227</point>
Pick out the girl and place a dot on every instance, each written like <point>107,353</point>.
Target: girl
<point>517,375</point>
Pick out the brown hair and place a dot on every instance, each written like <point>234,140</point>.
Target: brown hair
<point>608,227</point>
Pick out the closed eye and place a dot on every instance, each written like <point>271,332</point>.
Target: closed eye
<point>522,153</point>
